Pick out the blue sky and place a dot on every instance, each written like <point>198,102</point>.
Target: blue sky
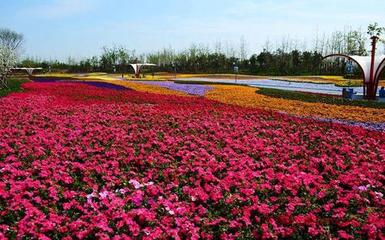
<point>80,28</point>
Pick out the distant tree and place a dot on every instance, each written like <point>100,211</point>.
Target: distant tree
<point>10,39</point>
<point>287,57</point>
<point>375,30</point>
<point>264,59</point>
<point>242,49</point>
<point>355,43</point>
<point>10,43</point>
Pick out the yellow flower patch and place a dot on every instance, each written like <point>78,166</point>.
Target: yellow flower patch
<point>246,96</point>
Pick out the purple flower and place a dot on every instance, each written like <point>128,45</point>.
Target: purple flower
<point>193,89</point>
<point>89,197</point>
<point>90,83</point>
<point>380,127</point>
<point>362,188</point>
<point>103,195</point>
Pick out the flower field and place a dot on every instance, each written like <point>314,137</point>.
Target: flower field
<point>246,96</point>
<point>146,88</point>
<point>80,162</point>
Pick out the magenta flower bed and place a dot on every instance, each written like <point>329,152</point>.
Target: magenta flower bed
<point>87,82</point>
<point>91,163</point>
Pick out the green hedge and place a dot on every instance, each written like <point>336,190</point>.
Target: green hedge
<point>14,86</point>
<point>317,98</point>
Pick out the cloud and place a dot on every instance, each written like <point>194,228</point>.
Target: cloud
<point>61,8</point>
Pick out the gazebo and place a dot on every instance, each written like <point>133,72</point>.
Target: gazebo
<point>28,70</point>
<point>138,67</point>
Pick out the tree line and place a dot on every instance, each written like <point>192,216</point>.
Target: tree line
<point>287,57</point>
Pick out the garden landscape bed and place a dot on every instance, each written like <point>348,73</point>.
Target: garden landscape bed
<point>78,161</point>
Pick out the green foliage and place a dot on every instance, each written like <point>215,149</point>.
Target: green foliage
<point>317,98</point>
<point>375,30</point>
<point>14,85</point>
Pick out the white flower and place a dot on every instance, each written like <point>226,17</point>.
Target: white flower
<point>193,198</point>
<point>103,195</point>
<point>89,197</point>
<point>121,191</point>
<point>135,183</point>
<point>138,185</point>
<point>379,195</point>
<point>149,184</point>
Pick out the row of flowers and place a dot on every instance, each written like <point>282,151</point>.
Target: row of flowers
<point>147,88</point>
<point>95,83</point>
<point>192,89</point>
<point>246,97</point>
<point>83,162</point>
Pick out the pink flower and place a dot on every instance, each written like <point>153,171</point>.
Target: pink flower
<point>343,235</point>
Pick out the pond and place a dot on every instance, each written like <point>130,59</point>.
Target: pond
<point>284,85</point>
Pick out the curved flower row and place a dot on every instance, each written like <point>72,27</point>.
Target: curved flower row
<point>193,89</point>
<point>99,84</point>
<point>246,96</point>
<point>367,125</point>
<point>117,84</point>
<point>148,88</point>
<point>81,162</point>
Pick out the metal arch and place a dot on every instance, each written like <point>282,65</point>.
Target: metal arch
<point>348,57</point>
<point>352,59</point>
<point>380,69</point>
<point>378,73</point>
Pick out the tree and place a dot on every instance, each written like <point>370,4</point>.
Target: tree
<point>10,42</point>
<point>375,30</point>
<point>243,49</point>
<point>10,39</point>
<point>7,62</point>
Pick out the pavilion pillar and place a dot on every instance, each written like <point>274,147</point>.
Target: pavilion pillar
<point>137,72</point>
<point>371,85</point>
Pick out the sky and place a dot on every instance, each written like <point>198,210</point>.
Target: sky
<point>58,29</point>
